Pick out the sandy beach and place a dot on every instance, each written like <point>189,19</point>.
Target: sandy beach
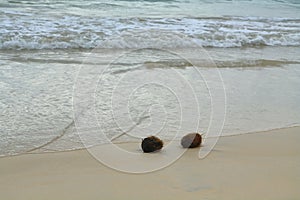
<point>250,166</point>
<point>83,73</point>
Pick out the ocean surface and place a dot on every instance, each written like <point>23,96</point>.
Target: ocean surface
<point>83,72</point>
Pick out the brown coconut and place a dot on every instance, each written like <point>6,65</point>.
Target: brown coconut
<point>191,140</point>
<point>151,144</point>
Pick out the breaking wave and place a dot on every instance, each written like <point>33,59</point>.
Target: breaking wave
<point>86,32</point>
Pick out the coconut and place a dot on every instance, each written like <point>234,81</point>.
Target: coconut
<point>191,140</point>
<point>151,144</point>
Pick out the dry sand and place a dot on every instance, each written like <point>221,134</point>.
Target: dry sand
<point>251,166</point>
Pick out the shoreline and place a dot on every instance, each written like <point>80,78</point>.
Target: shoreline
<point>131,142</point>
<point>239,167</point>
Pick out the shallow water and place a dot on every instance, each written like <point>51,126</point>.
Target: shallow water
<point>37,97</point>
<point>147,74</point>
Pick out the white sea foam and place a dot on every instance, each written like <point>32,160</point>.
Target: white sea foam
<point>79,32</point>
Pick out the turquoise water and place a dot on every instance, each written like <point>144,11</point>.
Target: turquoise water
<point>109,65</point>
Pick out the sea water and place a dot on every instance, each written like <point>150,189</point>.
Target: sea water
<point>80,73</point>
